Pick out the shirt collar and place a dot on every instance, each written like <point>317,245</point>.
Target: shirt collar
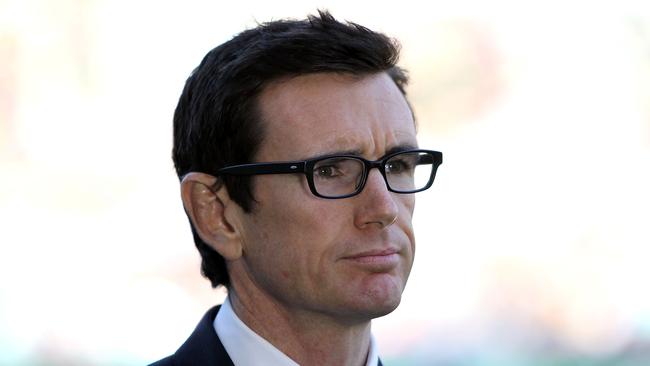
<point>247,348</point>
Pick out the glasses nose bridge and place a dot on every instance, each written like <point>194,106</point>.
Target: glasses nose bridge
<point>369,165</point>
<point>379,164</point>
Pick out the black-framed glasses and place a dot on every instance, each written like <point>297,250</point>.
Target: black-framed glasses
<point>341,176</point>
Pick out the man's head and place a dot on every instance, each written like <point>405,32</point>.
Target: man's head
<point>219,119</point>
<point>297,152</point>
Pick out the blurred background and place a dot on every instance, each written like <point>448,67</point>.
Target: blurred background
<point>533,244</point>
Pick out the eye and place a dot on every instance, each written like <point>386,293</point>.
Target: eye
<point>339,168</point>
<point>399,165</point>
<point>327,171</point>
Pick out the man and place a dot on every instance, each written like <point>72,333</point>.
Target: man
<point>276,139</point>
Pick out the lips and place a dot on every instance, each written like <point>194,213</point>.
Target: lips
<point>374,253</point>
<point>377,259</point>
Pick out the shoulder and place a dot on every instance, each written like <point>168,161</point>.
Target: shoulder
<point>167,361</point>
<point>203,347</point>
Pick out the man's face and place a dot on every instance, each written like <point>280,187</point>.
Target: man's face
<point>347,259</point>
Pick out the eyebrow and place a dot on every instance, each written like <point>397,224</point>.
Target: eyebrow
<point>358,152</point>
<point>402,147</point>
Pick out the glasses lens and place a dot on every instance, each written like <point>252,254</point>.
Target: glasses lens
<point>409,171</point>
<point>335,177</point>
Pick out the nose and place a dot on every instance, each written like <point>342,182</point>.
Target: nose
<point>376,206</point>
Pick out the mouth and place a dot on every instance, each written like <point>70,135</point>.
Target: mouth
<point>376,260</point>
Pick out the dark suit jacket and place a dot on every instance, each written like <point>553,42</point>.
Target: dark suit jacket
<point>202,348</point>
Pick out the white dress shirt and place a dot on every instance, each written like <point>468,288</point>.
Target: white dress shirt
<point>247,348</point>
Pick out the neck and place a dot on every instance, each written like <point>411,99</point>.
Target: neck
<point>306,337</point>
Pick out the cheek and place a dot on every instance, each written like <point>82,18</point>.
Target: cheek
<point>409,203</point>
<point>291,208</point>
<point>406,208</point>
<point>293,251</point>
<point>295,228</point>
<point>406,224</point>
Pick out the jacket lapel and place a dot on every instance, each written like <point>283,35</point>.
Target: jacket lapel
<point>203,347</point>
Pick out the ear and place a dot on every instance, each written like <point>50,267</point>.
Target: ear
<point>206,203</point>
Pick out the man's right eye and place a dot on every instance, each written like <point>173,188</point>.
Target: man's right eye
<point>327,171</point>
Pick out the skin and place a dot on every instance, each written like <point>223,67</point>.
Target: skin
<point>308,274</point>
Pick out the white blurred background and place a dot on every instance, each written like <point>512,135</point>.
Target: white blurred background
<point>533,244</point>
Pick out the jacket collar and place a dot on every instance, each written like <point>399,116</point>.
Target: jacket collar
<point>203,347</point>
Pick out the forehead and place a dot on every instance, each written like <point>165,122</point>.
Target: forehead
<point>328,113</point>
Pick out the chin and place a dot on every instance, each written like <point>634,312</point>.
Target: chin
<point>386,308</point>
<point>370,296</point>
<point>381,300</point>
<point>371,310</point>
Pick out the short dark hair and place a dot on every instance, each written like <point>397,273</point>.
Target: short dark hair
<point>217,120</point>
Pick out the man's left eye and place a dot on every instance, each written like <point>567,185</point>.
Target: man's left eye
<point>396,166</point>
<point>327,171</point>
